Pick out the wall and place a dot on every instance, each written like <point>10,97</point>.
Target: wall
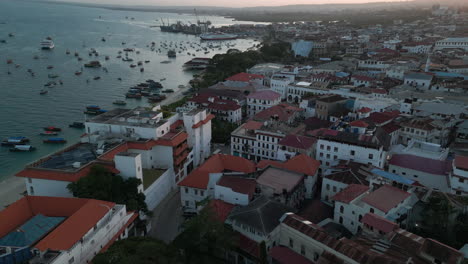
<point>48,187</point>
<point>426,179</point>
<point>343,151</point>
<point>228,195</point>
<point>157,191</point>
<point>334,188</point>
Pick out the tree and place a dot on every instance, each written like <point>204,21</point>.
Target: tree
<point>139,250</point>
<point>263,253</point>
<point>101,184</point>
<point>205,239</point>
<point>221,131</point>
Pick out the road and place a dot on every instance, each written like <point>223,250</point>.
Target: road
<point>167,218</point>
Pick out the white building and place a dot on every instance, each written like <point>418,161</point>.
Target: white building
<point>261,100</point>
<point>67,230</point>
<point>371,64</point>
<point>279,83</point>
<point>418,80</point>
<point>335,145</point>
<point>459,177</point>
<point>417,47</point>
<point>428,172</point>
<point>452,43</point>
<point>355,201</point>
<point>226,110</point>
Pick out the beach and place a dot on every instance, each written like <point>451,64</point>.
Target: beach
<point>11,190</point>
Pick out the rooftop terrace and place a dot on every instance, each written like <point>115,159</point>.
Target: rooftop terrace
<point>131,117</point>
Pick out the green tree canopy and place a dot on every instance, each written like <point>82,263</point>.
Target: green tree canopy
<point>101,184</point>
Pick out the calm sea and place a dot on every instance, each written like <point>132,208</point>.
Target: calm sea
<point>23,112</point>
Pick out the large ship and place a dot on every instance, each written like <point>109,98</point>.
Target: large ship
<point>217,36</point>
<point>47,44</point>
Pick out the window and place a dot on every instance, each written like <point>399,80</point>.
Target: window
<point>461,180</point>
<point>187,203</point>
<point>328,148</point>
<point>31,190</point>
<point>29,180</point>
<point>196,192</point>
<point>335,149</point>
<point>202,193</point>
<point>352,152</point>
<point>302,250</point>
<point>70,261</point>
<point>321,146</point>
<point>321,155</point>
<point>328,156</point>
<point>371,156</point>
<point>334,188</point>
<point>371,210</point>
<point>291,243</point>
<point>341,209</point>
<point>341,220</point>
<point>328,187</point>
<point>186,190</point>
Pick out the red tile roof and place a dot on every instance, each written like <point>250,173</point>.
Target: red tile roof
<point>362,78</point>
<point>216,164</point>
<point>239,184</point>
<point>379,91</point>
<point>206,120</point>
<point>297,141</point>
<point>300,163</point>
<point>244,77</point>
<point>248,246</point>
<point>359,123</point>
<point>284,255</point>
<point>461,162</point>
<point>81,216</point>
<point>283,111</point>
<point>221,209</point>
<point>252,125</point>
<point>379,223</point>
<point>265,95</point>
<point>391,127</point>
<point>350,193</point>
<point>215,103</point>
<point>436,167</point>
<point>382,117</point>
<point>385,198</point>
<point>365,110</point>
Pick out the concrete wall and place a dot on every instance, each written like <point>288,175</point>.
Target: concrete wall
<point>157,191</point>
<point>426,179</point>
<point>43,187</point>
<point>230,196</point>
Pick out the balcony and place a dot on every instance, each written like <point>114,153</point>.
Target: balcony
<point>180,149</point>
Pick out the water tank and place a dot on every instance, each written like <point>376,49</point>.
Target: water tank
<point>76,165</point>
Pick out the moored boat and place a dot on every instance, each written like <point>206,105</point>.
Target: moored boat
<point>119,102</point>
<point>93,107</point>
<point>43,92</point>
<point>52,128</point>
<point>11,141</point>
<point>22,148</point>
<point>48,133</point>
<point>93,64</point>
<point>77,125</point>
<point>55,140</point>
<point>47,44</point>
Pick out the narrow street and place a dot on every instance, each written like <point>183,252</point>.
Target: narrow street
<point>167,218</point>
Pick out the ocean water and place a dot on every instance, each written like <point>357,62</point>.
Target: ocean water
<point>23,112</point>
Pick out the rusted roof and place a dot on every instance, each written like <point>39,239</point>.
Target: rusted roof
<point>385,198</point>
<point>244,77</point>
<point>300,163</point>
<point>379,223</point>
<point>350,193</point>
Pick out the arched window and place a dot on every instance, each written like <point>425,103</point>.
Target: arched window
<point>341,209</point>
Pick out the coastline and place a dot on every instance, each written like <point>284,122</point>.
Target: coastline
<point>11,189</point>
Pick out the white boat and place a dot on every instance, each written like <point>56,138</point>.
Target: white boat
<point>22,148</point>
<point>47,44</point>
<point>217,36</point>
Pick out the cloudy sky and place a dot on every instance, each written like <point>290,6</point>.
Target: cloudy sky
<point>230,3</point>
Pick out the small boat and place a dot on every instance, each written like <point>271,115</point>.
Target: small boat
<point>119,79</point>
<point>181,86</point>
<point>67,52</point>
<point>132,65</point>
<point>139,63</point>
<point>52,76</point>
<point>93,107</point>
<point>50,84</point>
<point>55,140</point>
<point>119,102</point>
<point>43,92</point>
<point>22,148</point>
<point>103,39</point>
<point>52,128</point>
<point>50,67</point>
<point>11,35</point>
<point>142,69</point>
<point>147,61</point>
<point>77,125</point>
<point>36,57</point>
<point>78,72</point>
<point>91,112</point>
<point>106,58</point>
<point>96,78</point>
<point>93,64</point>
<point>171,54</point>
<point>11,141</point>
<point>167,91</point>
<point>162,79</point>
<point>128,49</point>
<point>76,54</point>
<point>48,133</point>
<point>47,44</point>
<point>9,61</point>
<point>133,95</point>
<point>127,59</point>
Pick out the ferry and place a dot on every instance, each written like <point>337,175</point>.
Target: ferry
<point>11,141</point>
<point>47,44</point>
<point>22,148</point>
<point>217,36</point>
<point>55,140</point>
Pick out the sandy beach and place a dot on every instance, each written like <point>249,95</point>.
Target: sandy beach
<point>11,190</point>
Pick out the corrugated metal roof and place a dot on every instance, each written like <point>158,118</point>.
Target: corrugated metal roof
<point>31,231</point>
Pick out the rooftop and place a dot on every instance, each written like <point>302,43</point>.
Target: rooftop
<point>297,141</point>
<point>264,95</point>
<point>244,77</point>
<point>69,158</point>
<point>139,116</point>
<point>385,198</point>
<point>300,164</point>
<point>280,179</point>
<point>432,166</point>
<point>461,162</point>
<point>151,175</point>
<point>379,223</point>
<point>350,193</point>
<point>284,255</point>
<point>238,184</point>
<point>281,112</point>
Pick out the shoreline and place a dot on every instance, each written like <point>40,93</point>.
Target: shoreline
<point>11,190</point>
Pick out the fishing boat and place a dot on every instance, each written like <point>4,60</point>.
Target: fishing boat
<point>93,107</point>
<point>167,91</point>
<point>91,112</point>
<point>96,78</point>
<point>147,61</point>
<point>133,95</point>
<point>78,73</point>
<point>11,141</point>
<point>48,133</point>
<point>9,61</point>
<point>171,54</point>
<point>93,64</point>
<point>77,125</point>
<point>142,69</point>
<point>50,84</point>
<point>119,102</point>
<point>22,148</point>
<point>52,76</point>
<point>47,44</point>
<point>132,65</point>
<point>43,92</point>
<point>128,50</point>
<point>50,67</point>
<point>52,128</point>
<point>55,140</point>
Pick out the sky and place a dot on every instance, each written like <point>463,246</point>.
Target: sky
<point>222,3</point>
